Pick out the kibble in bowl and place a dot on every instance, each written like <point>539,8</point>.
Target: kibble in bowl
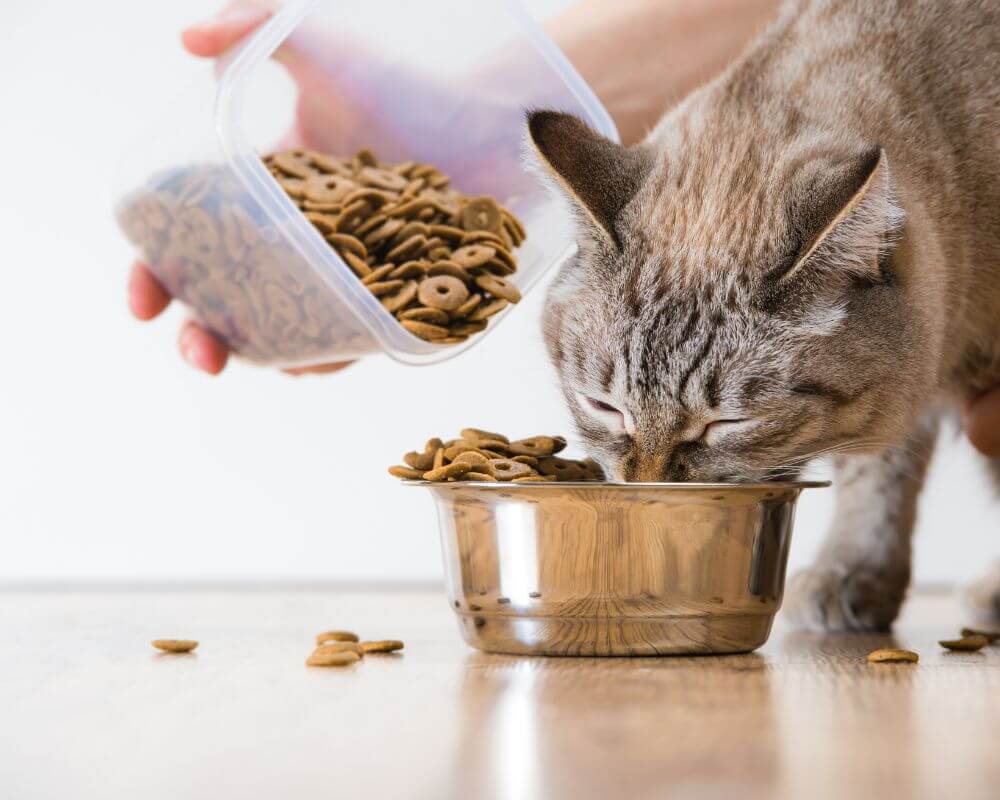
<point>482,456</point>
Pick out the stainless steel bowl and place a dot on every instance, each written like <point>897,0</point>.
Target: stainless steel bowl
<point>615,569</point>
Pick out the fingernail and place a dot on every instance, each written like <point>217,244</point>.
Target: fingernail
<point>189,347</point>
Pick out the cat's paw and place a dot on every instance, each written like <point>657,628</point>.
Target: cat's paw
<point>982,598</point>
<point>842,599</point>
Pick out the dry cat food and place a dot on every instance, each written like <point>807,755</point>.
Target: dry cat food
<point>382,646</point>
<point>970,643</point>
<point>889,655</point>
<point>216,250</point>
<point>174,645</point>
<point>335,636</point>
<point>479,455</point>
<point>332,659</point>
<point>990,636</point>
<point>436,259</point>
<point>342,648</point>
<point>972,640</point>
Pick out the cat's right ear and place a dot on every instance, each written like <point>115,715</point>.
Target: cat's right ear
<point>600,176</point>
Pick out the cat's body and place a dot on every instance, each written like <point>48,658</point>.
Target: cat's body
<point>803,256</point>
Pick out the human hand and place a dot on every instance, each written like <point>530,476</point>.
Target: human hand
<point>982,423</point>
<point>335,101</point>
<point>147,298</point>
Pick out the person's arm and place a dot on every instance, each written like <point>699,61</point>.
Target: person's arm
<point>642,56</point>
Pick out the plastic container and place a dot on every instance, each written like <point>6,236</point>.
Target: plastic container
<point>444,82</point>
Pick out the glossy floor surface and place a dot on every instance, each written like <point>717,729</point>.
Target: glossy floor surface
<point>90,711</point>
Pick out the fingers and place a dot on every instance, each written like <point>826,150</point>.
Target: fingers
<point>320,369</point>
<point>982,423</point>
<point>146,296</point>
<point>201,349</point>
<point>212,37</point>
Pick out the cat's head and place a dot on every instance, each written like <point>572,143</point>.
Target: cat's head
<point>733,308</point>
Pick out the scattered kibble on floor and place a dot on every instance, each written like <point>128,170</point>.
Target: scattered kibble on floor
<point>175,645</point>
<point>343,658</point>
<point>342,648</point>
<point>336,636</point>
<point>991,636</point>
<point>971,641</point>
<point>968,644</point>
<point>891,655</point>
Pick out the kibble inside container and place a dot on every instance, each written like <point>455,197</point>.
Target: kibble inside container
<point>443,83</point>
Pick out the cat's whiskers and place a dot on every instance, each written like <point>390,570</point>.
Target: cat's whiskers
<point>792,467</point>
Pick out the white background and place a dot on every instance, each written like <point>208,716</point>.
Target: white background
<point>118,462</point>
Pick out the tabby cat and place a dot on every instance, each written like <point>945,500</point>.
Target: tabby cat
<point>802,258</point>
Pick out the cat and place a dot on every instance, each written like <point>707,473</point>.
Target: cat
<point>801,258</point>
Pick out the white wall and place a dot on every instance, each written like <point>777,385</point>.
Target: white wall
<point>117,461</point>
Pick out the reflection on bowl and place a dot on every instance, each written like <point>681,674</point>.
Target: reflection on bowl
<point>615,569</point>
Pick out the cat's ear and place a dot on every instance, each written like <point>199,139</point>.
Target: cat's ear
<point>846,220</point>
<point>600,176</point>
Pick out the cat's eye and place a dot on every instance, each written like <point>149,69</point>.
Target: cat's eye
<point>720,428</point>
<point>605,412</point>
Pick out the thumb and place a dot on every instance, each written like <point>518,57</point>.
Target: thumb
<point>214,36</point>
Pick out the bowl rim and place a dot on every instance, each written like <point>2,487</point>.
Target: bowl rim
<point>714,487</point>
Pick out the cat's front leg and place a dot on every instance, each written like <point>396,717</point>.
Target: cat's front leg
<point>860,578</point>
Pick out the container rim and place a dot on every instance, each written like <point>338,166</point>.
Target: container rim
<point>715,487</point>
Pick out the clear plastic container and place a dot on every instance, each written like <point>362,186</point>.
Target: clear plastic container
<point>444,82</point>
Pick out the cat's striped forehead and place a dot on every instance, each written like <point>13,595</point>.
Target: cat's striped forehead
<point>660,345</point>
<point>714,205</point>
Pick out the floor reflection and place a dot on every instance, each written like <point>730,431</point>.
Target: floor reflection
<point>841,718</point>
<point>609,728</point>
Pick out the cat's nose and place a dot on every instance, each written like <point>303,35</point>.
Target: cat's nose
<point>670,466</point>
<point>648,468</point>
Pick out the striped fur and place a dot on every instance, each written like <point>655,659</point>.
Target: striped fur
<point>811,244</point>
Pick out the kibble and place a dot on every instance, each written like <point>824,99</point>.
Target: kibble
<point>211,247</point>
<point>481,455</point>
<point>175,645</point>
<point>968,644</point>
<point>335,636</point>
<point>889,655</point>
<point>991,636</point>
<point>339,659</point>
<point>383,646</point>
<point>342,648</point>
<point>403,222</point>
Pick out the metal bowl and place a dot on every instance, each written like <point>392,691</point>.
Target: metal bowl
<point>601,569</point>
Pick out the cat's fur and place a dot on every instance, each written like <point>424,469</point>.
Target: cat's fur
<point>811,242</point>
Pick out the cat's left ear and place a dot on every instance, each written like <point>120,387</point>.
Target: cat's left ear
<point>599,175</point>
<point>846,219</point>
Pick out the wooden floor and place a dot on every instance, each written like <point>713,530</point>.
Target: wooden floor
<point>87,710</point>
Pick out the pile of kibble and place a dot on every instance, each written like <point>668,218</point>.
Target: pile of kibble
<point>342,648</point>
<point>479,455</point>
<point>436,258</point>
